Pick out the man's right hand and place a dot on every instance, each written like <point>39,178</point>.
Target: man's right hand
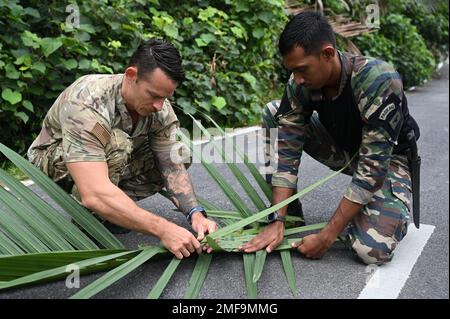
<point>179,241</point>
<point>269,238</point>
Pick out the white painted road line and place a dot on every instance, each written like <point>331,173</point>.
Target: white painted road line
<point>239,131</point>
<point>388,280</point>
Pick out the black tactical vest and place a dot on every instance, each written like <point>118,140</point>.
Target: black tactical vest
<point>342,119</point>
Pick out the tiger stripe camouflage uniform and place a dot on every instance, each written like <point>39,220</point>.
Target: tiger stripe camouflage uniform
<point>89,122</point>
<point>380,179</point>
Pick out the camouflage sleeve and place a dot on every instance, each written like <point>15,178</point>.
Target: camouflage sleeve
<point>378,90</point>
<point>85,134</point>
<point>292,125</point>
<point>169,154</point>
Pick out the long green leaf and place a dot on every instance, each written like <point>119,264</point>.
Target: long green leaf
<point>157,290</point>
<point>20,234</point>
<point>260,180</point>
<point>289,271</point>
<point>16,266</point>
<point>297,230</point>
<point>198,276</point>
<point>39,227</point>
<point>117,273</point>
<point>240,177</point>
<point>72,207</point>
<point>259,264</point>
<point>249,265</point>
<point>70,232</point>
<point>235,199</point>
<point>240,224</point>
<point>8,247</point>
<point>61,271</point>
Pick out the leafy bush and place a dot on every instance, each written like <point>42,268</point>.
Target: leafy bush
<point>229,51</point>
<point>431,20</point>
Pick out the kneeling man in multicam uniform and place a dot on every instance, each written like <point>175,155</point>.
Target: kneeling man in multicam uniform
<point>108,140</point>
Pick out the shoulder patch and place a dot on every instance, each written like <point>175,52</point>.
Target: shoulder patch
<point>101,133</point>
<point>388,109</point>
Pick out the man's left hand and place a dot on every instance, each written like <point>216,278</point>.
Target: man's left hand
<point>313,246</point>
<point>203,226</point>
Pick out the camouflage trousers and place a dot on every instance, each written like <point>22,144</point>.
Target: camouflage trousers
<point>375,232</point>
<point>133,170</point>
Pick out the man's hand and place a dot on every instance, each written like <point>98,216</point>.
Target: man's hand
<point>179,241</point>
<point>203,226</point>
<point>270,238</point>
<point>313,246</point>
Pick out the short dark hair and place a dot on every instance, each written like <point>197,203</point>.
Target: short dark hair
<point>157,53</point>
<point>309,30</point>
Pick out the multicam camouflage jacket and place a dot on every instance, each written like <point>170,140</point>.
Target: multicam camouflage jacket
<point>86,112</point>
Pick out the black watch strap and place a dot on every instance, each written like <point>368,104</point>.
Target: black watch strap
<point>275,216</point>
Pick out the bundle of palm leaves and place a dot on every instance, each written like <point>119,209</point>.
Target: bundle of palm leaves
<point>38,243</point>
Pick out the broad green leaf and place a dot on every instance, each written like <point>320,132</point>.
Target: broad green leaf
<point>11,96</point>
<point>50,45</point>
<point>206,14</point>
<point>32,12</point>
<point>250,79</point>
<point>117,273</point>
<point>11,72</point>
<point>28,105</point>
<point>24,117</point>
<point>70,64</point>
<point>84,64</point>
<point>218,101</point>
<point>266,16</point>
<point>198,276</point>
<point>258,33</point>
<point>30,39</point>
<point>187,21</point>
<point>39,66</point>
<point>238,32</point>
<point>157,290</point>
<point>200,42</point>
<point>207,37</point>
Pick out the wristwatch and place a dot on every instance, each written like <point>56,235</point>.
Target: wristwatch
<point>196,209</point>
<point>275,216</point>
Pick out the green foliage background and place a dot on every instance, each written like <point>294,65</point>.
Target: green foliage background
<point>229,50</point>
